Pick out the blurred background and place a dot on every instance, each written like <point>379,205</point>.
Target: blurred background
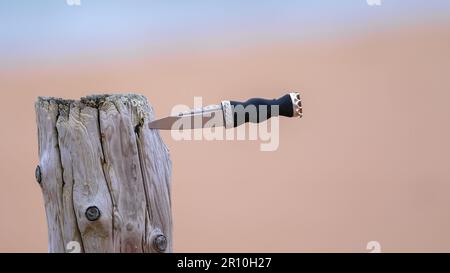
<point>368,162</point>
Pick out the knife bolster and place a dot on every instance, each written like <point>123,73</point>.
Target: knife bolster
<point>227,114</point>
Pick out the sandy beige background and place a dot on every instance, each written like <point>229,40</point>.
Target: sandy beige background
<point>369,161</point>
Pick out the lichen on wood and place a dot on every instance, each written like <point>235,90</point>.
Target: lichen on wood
<point>96,153</point>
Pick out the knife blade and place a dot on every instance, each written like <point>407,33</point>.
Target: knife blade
<point>231,114</point>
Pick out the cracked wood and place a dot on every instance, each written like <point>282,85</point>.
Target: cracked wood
<point>95,153</point>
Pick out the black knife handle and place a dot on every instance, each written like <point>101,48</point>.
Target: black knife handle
<point>253,110</point>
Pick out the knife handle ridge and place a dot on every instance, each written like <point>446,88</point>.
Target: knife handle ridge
<point>251,111</point>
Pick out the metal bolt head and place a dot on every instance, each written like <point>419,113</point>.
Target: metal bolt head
<point>160,243</point>
<point>92,213</point>
<point>37,174</point>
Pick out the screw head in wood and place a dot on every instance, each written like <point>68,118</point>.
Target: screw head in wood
<point>92,213</point>
<point>37,174</point>
<point>160,243</point>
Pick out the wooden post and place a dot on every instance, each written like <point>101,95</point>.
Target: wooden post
<point>104,175</point>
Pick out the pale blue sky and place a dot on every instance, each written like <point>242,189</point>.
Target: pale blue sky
<point>51,27</point>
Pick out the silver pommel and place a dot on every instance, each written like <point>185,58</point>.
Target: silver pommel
<point>296,104</point>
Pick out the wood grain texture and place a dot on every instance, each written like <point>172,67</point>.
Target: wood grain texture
<point>95,152</point>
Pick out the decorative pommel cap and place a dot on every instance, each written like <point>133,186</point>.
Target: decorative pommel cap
<point>296,105</point>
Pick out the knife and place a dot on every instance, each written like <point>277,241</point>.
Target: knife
<point>231,114</point>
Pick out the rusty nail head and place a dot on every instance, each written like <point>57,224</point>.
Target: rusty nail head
<point>92,213</point>
<point>160,243</point>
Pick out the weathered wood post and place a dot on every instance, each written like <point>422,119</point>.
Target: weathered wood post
<point>104,175</point>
